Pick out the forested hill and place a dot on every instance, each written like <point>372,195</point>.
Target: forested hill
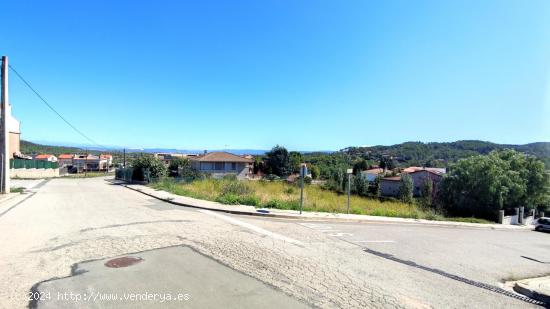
<point>418,153</point>
<point>29,148</point>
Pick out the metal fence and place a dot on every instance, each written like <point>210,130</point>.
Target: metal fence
<point>124,174</point>
<point>21,163</point>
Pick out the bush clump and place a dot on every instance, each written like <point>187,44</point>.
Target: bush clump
<point>235,187</point>
<point>147,167</point>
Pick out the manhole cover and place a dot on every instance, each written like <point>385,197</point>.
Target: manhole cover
<point>124,261</point>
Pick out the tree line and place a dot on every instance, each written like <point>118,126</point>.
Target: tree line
<point>476,186</point>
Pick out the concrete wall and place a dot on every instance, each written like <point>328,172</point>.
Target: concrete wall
<point>14,143</point>
<point>510,220</point>
<point>34,173</point>
<point>529,220</point>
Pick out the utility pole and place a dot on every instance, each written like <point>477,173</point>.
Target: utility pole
<point>4,133</point>
<point>124,158</point>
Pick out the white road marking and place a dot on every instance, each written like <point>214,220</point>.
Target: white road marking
<point>252,227</point>
<point>326,228</point>
<point>340,234</point>
<point>374,241</point>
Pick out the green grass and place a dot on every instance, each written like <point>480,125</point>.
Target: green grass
<point>17,190</point>
<point>469,220</point>
<point>280,195</point>
<point>89,175</point>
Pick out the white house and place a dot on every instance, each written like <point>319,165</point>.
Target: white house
<point>219,164</point>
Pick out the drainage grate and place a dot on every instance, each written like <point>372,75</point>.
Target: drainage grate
<point>457,278</point>
<point>124,261</point>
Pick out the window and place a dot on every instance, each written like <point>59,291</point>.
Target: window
<point>219,166</point>
<point>233,166</point>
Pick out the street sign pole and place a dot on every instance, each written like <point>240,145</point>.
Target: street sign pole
<point>350,171</point>
<point>303,173</point>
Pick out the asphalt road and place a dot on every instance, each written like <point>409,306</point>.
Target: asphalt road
<point>484,255</point>
<point>51,233</point>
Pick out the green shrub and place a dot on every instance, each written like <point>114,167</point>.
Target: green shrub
<point>406,189</point>
<point>232,199</point>
<point>250,200</point>
<point>229,199</point>
<point>146,162</point>
<point>17,190</point>
<point>271,177</point>
<point>278,204</point>
<point>230,177</point>
<point>235,187</point>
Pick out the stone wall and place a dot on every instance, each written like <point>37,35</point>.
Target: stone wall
<point>34,173</point>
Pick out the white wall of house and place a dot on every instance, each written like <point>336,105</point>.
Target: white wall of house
<point>220,169</point>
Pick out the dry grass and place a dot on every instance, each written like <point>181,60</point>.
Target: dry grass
<point>282,195</point>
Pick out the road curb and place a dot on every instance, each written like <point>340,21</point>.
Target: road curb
<point>532,289</point>
<point>310,218</point>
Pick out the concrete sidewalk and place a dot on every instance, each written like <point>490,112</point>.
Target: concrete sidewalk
<point>536,288</point>
<point>189,280</point>
<point>292,214</point>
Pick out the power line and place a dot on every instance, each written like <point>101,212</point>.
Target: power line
<point>53,109</point>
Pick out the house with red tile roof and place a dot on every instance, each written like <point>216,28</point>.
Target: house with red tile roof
<point>412,169</point>
<point>65,159</point>
<point>46,157</point>
<point>389,186</point>
<point>219,164</point>
<point>108,158</point>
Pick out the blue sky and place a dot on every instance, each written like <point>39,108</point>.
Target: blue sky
<point>305,74</point>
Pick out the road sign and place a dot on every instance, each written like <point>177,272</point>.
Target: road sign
<point>303,170</point>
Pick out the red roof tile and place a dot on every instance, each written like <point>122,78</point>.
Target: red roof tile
<point>43,156</point>
<point>221,157</point>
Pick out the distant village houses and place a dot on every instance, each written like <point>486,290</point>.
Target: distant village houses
<point>65,160</point>
<point>373,173</point>
<point>389,186</point>
<point>166,158</point>
<point>45,157</point>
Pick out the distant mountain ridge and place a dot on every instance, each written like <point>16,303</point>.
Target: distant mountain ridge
<point>420,152</point>
<point>412,152</point>
<point>83,147</point>
<point>59,148</point>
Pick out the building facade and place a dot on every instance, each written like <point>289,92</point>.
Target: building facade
<point>219,164</point>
